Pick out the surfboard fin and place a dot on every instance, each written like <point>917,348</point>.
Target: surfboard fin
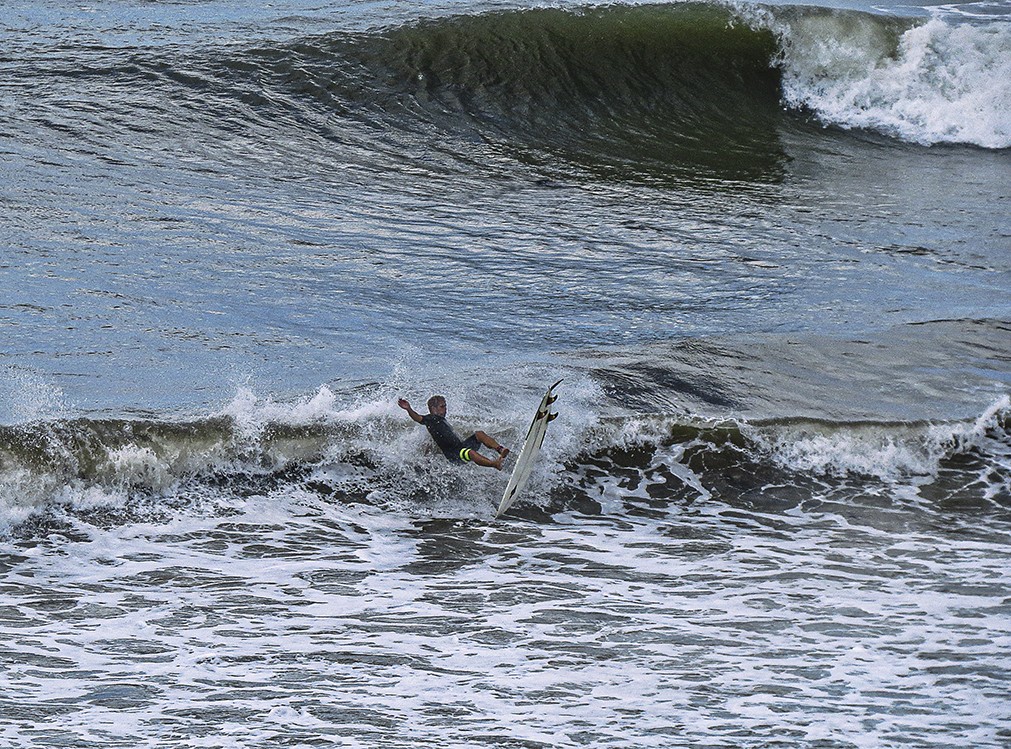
<point>552,417</point>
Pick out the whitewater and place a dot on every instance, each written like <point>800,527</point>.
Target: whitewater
<point>763,245</point>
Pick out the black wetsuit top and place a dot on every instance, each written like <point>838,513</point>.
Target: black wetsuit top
<point>445,437</point>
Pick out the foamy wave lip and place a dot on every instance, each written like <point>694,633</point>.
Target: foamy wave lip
<point>251,413</point>
<point>869,451</point>
<point>989,435</point>
<point>139,466</point>
<point>962,436</point>
<point>888,452</point>
<point>943,84</point>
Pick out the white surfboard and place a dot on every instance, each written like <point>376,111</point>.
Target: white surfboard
<point>531,447</point>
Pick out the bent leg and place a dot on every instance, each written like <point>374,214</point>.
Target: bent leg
<point>488,441</point>
<point>481,460</point>
<point>471,455</point>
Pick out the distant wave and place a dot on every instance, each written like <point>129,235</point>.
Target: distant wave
<point>682,78</point>
<point>614,89</point>
<point>656,92</point>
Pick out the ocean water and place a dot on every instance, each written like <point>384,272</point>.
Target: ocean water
<point>766,247</point>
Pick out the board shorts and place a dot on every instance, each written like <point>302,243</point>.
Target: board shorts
<point>471,443</point>
<point>454,448</point>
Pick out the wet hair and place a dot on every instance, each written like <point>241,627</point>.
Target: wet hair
<point>436,400</point>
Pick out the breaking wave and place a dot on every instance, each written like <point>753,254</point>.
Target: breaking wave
<point>674,79</point>
<point>684,90</point>
<point>367,453</point>
<point>930,83</point>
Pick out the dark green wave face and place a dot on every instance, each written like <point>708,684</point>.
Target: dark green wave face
<point>685,94</point>
<point>651,93</point>
<point>633,91</point>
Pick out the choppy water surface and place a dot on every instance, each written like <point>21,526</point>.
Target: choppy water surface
<point>764,246</point>
<point>882,622</point>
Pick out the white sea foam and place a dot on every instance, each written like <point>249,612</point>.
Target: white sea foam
<point>966,435</point>
<point>22,493</point>
<point>869,450</point>
<point>139,466</point>
<point>355,626</point>
<point>251,413</point>
<point>939,83</point>
<point>985,10</point>
<point>890,452</point>
<point>299,620</point>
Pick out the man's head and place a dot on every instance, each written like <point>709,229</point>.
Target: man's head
<point>437,405</point>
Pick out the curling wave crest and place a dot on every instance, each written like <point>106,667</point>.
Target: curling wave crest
<point>932,83</point>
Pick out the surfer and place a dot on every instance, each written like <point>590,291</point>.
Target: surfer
<point>454,448</point>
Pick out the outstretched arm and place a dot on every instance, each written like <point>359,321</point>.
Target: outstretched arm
<point>410,411</point>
